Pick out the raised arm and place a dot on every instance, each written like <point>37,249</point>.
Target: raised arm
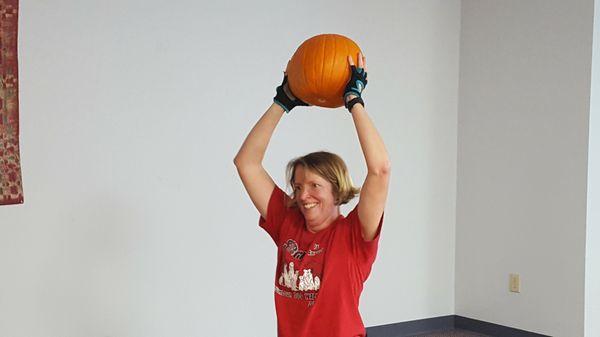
<point>248,161</point>
<point>374,190</point>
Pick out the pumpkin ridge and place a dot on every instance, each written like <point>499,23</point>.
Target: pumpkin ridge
<point>313,88</point>
<point>305,82</point>
<point>322,66</point>
<point>333,59</point>
<point>347,45</point>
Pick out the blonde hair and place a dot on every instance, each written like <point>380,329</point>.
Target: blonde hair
<point>331,168</point>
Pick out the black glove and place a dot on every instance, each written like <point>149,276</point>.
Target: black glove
<point>357,83</point>
<point>285,98</point>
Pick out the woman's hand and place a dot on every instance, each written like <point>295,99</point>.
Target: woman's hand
<point>285,98</point>
<point>357,82</point>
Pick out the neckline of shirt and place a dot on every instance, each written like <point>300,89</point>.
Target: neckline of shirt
<point>333,224</point>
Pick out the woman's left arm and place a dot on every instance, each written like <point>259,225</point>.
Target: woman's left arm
<point>374,190</point>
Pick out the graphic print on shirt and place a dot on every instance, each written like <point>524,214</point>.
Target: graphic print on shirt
<point>315,250</point>
<point>289,279</point>
<point>303,286</point>
<point>292,247</point>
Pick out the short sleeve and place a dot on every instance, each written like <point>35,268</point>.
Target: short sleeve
<point>276,212</point>
<point>364,252</point>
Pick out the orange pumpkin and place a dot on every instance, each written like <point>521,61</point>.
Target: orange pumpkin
<point>319,71</point>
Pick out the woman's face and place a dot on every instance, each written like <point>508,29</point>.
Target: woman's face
<point>314,196</point>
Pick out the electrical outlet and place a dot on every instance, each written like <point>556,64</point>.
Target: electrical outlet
<point>514,283</point>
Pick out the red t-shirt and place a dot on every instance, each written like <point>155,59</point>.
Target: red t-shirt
<point>319,276</point>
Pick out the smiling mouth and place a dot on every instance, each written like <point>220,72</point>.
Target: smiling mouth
<point>310,206</point>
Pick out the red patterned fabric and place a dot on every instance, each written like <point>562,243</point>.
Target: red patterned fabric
<point>11,190</point>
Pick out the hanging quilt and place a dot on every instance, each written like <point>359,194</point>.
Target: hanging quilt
<point>11,190</point>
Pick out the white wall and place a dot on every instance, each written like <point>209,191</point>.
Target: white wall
<point>135,223</point>
<point>592,261</point>
<point>522,162</point>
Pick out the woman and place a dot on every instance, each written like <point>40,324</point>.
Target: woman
<point>323,257</point>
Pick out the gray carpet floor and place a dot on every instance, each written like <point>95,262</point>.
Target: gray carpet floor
<point>452,333</point>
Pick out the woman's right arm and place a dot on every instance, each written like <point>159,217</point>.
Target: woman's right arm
<point>248,161</point>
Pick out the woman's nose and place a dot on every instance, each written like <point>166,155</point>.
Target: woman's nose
<point>303,194</point>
